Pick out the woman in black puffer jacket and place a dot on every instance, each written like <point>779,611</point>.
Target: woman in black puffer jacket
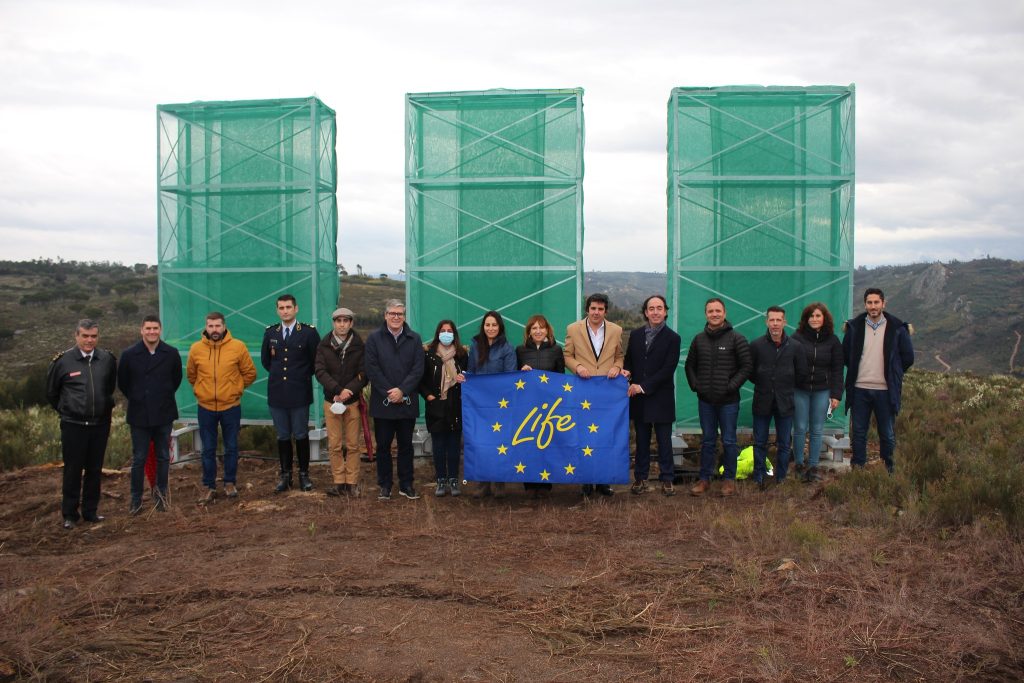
<point>822,391</point>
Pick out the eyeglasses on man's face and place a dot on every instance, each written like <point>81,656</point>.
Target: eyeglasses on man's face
<point>396,314</point>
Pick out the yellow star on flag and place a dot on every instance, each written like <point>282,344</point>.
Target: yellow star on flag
<point>496,427</point>
<point>593,428</point>
<point>587,450</point>
<point>585,405</point>
<point>503,403</point>
<point>520,384</point>
<point>567,387</point>
<point>569,469</point>
<point>502,449</point>
<point>520,468</point>
<point>544,474</point>
<point>543,379</point>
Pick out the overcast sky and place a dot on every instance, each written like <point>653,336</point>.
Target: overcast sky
<point>940,107</point>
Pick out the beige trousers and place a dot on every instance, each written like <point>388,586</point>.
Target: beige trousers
<point>343,430</point>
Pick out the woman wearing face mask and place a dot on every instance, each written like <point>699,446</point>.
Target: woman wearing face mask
<point>490,353</point>
<point>822,389</point>
<point>442,372</point>
<point>539,351</point>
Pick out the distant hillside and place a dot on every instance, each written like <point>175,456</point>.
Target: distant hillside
<point>967,316</point>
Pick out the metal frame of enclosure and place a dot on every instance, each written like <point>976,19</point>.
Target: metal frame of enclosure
<point>247,211</point>
<point>494,207</point>
<point>760,210</point>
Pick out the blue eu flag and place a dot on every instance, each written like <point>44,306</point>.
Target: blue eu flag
<point>541,426</point>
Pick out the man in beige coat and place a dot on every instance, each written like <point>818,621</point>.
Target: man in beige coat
<point>593,346</point>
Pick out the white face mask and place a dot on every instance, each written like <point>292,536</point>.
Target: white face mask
<point>446,338</point>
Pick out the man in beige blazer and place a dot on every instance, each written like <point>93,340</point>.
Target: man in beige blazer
<point>593,346</point>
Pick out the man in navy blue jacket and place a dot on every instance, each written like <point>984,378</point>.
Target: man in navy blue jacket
<point>394,364</point>
<point>652,356</point>
<point>148,375</point>
<point>877,350</point>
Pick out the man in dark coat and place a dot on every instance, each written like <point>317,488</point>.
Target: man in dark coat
<point>717,364</point>
<point>394,365</point>
<point>779,364</point>
<point>80,386</point>
<point>878,350</point>
<point>148,376</point>
<point>652,356</point>
<point>289,354</point>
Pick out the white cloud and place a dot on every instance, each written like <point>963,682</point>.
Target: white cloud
<point>940,115</point>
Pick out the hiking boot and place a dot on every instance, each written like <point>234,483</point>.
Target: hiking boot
<point>211,495</point>
<point>409,492</point>
<point>700,488</point>
<point>304,482</point>
<point>385,493</point>
<point>230,491</point>
<point>813,474</point>
<point>728,488</point>
<point>453,486</point>
<point>442,488</point>
<point>499,489</point>
<point>667,488</point>
<point>284,483</point>
<point>639,487</point>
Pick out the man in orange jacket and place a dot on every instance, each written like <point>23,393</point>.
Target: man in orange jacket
<point>219,369</point>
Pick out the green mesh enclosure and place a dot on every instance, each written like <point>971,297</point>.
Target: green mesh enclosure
<point>760,209</point>
<point>247,211</point>
<point>494,208</point>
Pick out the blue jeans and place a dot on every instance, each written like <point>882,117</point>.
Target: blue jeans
<point>866,401</point>
<point>386,431</point>
<point>289,422</point>
<point>642,463</point>
<point>713,418</point>
<point>446,454</point>
<point>160,435</point>
<point>783,433</point>
<point>230,422</point>
<point>810,408</point>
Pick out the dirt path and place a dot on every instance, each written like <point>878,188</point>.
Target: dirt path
<point>302,587</point>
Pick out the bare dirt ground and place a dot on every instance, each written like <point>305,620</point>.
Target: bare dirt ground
<point>769,586</point>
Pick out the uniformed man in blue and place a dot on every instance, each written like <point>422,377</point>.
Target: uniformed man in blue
<point>288,354</point>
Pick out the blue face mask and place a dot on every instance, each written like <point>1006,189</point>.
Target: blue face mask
<point>446,338</point>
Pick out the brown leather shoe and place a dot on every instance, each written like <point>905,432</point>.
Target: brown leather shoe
<point>700,488</point>
<point>728,488</point>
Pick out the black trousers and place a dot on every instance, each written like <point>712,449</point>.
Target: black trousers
<point>83,448</point>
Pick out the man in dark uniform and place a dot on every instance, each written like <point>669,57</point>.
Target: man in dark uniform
<point>289,355</point>
<point>80,386</point>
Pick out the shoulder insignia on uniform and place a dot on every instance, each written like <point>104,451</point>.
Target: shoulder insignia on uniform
<point>58,355</point>
<point>270,327</point>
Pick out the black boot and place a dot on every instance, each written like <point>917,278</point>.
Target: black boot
<point>302,448</point>
<point>284,454</point>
